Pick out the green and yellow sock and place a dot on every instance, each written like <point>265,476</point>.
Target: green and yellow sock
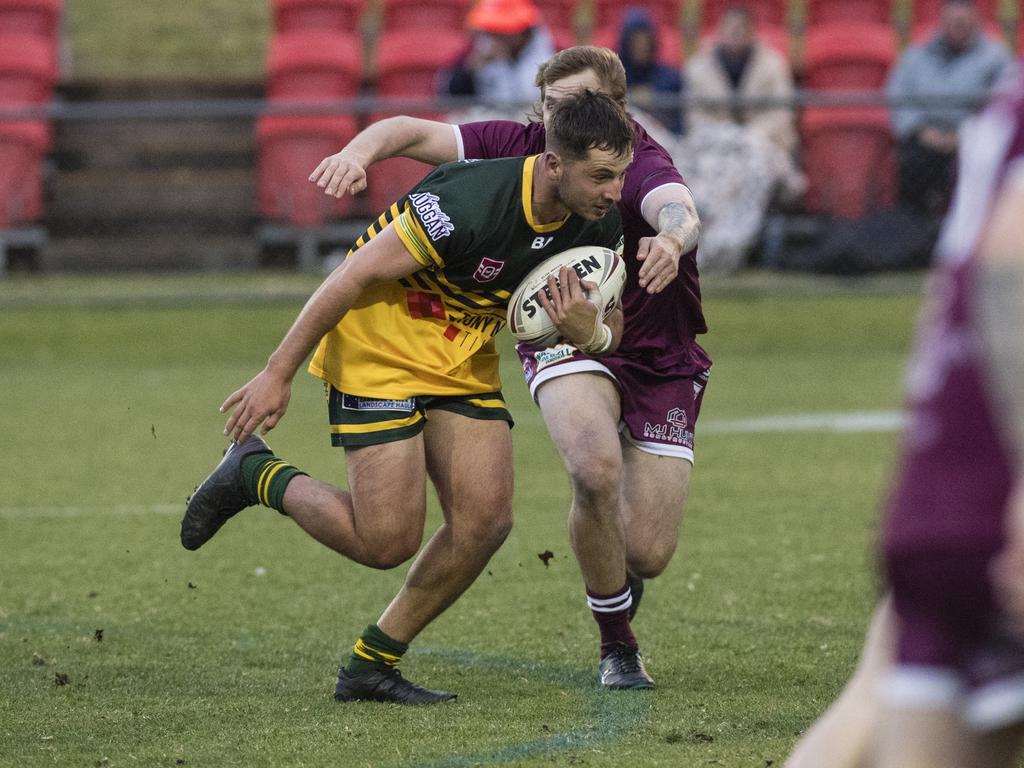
<point>373,650</point>
<point>265,477</point>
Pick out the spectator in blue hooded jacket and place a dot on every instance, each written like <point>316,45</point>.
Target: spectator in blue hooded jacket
<point>645,74</point>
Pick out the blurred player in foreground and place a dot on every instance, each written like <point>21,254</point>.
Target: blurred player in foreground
<point>404,336</point>
<point>953,694</point>
<point>629,452</point>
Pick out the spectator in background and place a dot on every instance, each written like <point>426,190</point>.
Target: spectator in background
<point>509,43</point>
<point>645,75</point>
<point>957,65</point>
<point>741,157</point>
<point>738,67</point>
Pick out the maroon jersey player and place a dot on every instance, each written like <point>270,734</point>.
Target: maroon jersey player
<point>630,451</point>
<point>953,694</point>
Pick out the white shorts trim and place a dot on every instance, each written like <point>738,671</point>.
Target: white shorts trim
<point>461,148</point>
<point>593,366</point>
<point>997,705</point>
<point>564,369</point>
<point>657,449</point>
<point>919,687</point>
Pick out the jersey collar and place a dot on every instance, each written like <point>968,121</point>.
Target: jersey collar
<point>528,165</point>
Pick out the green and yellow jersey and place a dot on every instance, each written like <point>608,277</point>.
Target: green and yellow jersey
<point>470,225</point>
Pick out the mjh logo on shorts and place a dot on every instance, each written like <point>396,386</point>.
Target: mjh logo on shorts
<point>488,270</point>
<point>434,220</point>
<point>676,416</point>
<point>672,431</point>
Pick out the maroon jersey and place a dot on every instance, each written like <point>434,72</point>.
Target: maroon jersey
<point>660,329</point>
<point>956,473</point>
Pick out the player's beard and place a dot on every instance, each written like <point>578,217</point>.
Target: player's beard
<point>579,203</point>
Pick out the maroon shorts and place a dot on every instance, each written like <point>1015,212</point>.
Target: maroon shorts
<point>950,652</point>
<point>659,409</point>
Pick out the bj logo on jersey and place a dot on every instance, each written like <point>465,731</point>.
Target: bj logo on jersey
<point>488,270</point>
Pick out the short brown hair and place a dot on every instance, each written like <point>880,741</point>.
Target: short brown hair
<point>603,61</point>
<point>588,120</point>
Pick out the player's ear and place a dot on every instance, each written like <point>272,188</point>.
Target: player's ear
<point>552,165</point>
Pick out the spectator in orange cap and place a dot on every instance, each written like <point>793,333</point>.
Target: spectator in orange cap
<point>509,43</point>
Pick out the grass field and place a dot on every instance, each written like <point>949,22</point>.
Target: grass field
<point>226,657</point>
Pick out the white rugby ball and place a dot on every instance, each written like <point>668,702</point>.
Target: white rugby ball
<point>527,319</point>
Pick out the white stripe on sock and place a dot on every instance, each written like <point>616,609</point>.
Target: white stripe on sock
<point>611,604</point>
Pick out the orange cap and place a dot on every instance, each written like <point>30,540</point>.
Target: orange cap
<point>503,17</point>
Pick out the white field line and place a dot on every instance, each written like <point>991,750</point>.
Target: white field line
<point>849,422</point>
<point>856,421</point>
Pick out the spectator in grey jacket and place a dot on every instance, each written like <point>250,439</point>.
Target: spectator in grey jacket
<point>957,65</point>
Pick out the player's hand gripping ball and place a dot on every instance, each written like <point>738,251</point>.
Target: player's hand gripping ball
<point>527,319</point>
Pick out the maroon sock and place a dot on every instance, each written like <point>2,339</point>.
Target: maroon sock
<point>611,612</point>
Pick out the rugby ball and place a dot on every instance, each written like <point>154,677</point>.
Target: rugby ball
<point>527,319</point>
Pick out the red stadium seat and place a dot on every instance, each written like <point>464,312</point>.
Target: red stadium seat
<point>848,56</point>
<point>564,37</point>
<point>670,43</point>
<point>313,15</point>
<point>407,65</point>
<point>314,66</point>
<point>388,180</point>
<point>664,13</point>
<point>826,11</point>
<point>771,13</point>
<point>408,60</point>
<point>849,157</point>
<point>927,12</point>
<point>438,15</point>
<point>28,69</point>
<point>289,148</point>
<point>22,146</point>
<point>558,14</point>
<point>30,17</point>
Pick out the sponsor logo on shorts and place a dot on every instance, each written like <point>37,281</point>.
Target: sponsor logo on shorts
<point>434,220</point>
<point>676,417</point>
<point>488,270</point>
<point>355,403</point>
<point>553,355</point>
<point>672,431</point>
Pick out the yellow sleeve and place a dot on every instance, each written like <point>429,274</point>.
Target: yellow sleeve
<point>416,241</point>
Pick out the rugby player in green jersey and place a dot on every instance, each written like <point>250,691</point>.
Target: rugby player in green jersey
<point>404,337</point>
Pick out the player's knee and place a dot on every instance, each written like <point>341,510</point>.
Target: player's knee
<point>596,475</point>
<point>484,523</point>
<point>390,554</point>
<point>492,527</point>
<point>651,561</point>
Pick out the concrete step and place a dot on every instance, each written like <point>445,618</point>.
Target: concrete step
<point>101,201</point>
<point>122,145</point>
<point>145,253</point>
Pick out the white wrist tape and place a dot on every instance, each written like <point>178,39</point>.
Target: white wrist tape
<point>600,342</point>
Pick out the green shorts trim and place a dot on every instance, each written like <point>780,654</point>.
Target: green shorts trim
<point>357,421</point>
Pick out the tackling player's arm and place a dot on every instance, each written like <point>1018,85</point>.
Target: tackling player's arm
<point>671,211</point>
<point>999,302</point>
<point>425,140</point>
<point>262,402</point>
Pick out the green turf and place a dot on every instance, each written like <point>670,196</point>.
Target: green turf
<point>110,417</point>
<point>205,39</point>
